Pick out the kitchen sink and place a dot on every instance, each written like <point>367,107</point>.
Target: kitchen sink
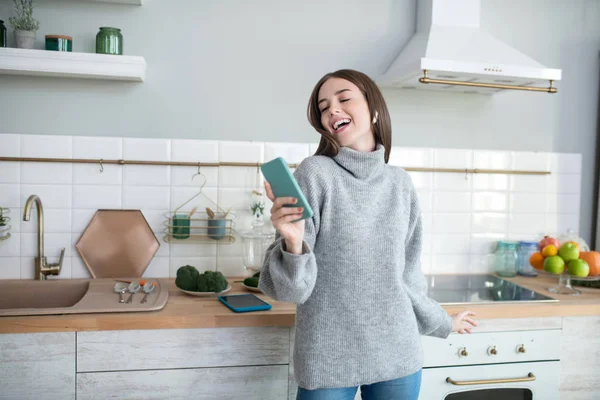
<point>73,296</point>
<point>41,294</point>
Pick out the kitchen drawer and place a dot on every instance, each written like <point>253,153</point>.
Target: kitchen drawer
<point>248,383</point>
<point>539,345</point>
<point>181,348</point>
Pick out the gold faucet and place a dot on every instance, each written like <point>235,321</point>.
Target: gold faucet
<point>42,268</point>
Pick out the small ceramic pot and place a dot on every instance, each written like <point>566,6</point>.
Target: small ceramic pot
<point>25,39</point>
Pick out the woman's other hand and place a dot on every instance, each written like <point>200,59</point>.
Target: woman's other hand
<point>282,217</point>
<point>462,322</point>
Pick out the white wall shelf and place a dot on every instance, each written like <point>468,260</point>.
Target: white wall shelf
<point>72,65</point>
<point>130,2</point>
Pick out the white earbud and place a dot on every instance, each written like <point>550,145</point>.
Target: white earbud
<point>375,117</point>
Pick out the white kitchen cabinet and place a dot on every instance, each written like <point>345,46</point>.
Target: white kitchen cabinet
<point>248,383</point>
<point>580,358</point>
<point>181,348</point>
<point>37,366</point>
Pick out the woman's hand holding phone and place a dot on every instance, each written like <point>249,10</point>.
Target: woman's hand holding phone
<point>283,217</point>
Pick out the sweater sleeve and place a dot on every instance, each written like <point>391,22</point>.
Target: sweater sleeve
<point>290,277</point>
<point>432,319</point>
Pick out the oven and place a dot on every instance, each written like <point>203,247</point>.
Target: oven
<point>521,365</point>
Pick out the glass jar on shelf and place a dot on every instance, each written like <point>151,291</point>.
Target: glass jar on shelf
<point>109,41</point>
<point>505,259</point>
<point>525,250</point>
<point>254,245</point>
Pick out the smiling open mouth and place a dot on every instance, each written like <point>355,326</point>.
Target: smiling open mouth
<point>340,124</point>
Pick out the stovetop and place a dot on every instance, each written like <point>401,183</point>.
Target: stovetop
<point>478,289</point>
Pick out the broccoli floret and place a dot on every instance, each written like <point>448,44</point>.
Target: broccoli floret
<point>187,278</point>
<point>211,281</point>
<point>253,281</point>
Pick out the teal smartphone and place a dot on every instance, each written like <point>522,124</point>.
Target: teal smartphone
<point>283,184</point>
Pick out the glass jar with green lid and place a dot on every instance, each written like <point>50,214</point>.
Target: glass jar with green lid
<point>2,34</point>
<point>109,41</point>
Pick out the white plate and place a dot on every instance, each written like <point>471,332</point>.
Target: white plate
<point>205,294</point>
<point>252,288</point>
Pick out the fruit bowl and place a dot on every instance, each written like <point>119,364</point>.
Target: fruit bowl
<point>564,282</point>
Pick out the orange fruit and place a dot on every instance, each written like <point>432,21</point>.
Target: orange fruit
<point>549,251</point>
<point>537,260</point>
<point>593,260</point>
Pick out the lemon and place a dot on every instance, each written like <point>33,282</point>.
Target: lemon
<point>549,251</point>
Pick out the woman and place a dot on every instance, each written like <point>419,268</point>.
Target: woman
<point>353,268</point>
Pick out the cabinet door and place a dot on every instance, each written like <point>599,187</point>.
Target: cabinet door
<point>37,366</point>
<point>248,383</point>
<point>580,358</point>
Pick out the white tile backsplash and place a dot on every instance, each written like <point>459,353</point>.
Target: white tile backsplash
<point>10,172</point>
<point>490,182</point>
<point>527,203</point>
<point>535,161</point>
<point>10,267</point>
<point>206,151</point>
<point>93,174</point>
<point>106,197</point>
<point>146,175</point>
<point>46,146</point>
<point>451,223</point>
<point>10,195</point>
<point>452,202</point>
<point>146,149</point>
<point>565,163</point>
<point>10,145</point>
<point>103,148</point>
<point>146,197</point>
<point>452,182</point>
<point>187,176</point>
<point>241,152</point>
<point>485,159</point>
<point>411,157</point>
<point>490,201</point>
<point>10,247</point>
<point>53,243</point>
<point>47,173</point>
<point>462,218</point>
<point>52,196</point>
<point>528,183</point>
<point>55,221</point>
<point>452,158</point>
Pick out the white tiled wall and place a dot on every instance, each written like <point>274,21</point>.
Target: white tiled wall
<point>463,214</point>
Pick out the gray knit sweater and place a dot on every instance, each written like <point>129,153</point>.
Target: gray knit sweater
<point>361,294</point>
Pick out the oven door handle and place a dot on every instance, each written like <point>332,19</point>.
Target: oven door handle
<point>530,377</point>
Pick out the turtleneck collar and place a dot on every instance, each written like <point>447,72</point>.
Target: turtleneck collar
<point>361,164</point>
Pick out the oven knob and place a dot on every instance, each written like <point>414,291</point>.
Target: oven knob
<point>463,352</point>
<point>521,349</point>
<point>492,351</point>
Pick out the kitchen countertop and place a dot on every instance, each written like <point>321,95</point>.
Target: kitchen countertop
<point>187,312</point>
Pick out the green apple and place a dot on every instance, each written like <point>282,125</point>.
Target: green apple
<point>554,265</point>
<point>568,252</point>
<point>579,267</point>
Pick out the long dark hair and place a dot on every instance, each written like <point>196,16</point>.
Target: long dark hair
<point>382,129</point>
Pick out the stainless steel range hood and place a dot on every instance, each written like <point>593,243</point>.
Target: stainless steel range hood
<point>450,52</point>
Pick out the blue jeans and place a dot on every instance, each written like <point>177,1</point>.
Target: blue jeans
<point>406,388</point>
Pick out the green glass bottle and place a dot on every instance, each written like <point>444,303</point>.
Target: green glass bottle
<point>109,41</point>
<point>2,34</point>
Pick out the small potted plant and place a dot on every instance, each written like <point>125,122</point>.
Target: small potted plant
<point>4,227</point>
<point>24,24</point>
